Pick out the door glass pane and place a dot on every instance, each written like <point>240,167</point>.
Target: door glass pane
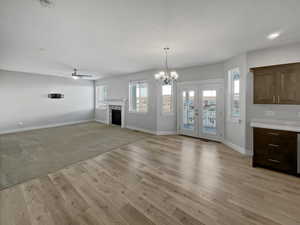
<point>209,104</point>
<point>188,109</point>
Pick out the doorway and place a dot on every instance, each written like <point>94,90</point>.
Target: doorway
<point>201,110</point>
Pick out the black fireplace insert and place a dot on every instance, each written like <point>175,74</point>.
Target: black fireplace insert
<point>116,117</point>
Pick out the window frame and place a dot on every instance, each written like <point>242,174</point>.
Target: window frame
<point>134,82</point>
<point>230,76</point>
<point>171,113</point>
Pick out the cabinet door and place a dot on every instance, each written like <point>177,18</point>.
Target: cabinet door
<point>264,86</point>
<point>288,84</point>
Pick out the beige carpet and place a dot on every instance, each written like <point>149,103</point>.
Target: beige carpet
<point>30,154</point>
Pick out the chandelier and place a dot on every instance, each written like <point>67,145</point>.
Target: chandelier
<point>166,76</point>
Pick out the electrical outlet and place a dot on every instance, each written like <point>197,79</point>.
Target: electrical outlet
<point>298,114</point>
<point>269,113</point>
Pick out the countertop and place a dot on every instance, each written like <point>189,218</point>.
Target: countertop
<point>287,125</point>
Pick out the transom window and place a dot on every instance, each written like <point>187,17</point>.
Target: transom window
<point>138,96</point>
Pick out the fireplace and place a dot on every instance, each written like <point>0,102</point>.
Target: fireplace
<point>115,112</point>
<point>116,115</point>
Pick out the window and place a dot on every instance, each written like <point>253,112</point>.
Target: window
<point>138,96</point>
<point>234,89</point>
<point>101,95</point>
<point>167,98</point>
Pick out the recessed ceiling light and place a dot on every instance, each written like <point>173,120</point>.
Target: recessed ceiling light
<point>274,35</point>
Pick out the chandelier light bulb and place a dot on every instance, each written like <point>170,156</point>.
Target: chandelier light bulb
<point>174,75</point>
<point>157,76</point>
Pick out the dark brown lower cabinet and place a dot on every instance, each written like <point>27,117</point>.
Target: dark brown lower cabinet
<point>275,149</point>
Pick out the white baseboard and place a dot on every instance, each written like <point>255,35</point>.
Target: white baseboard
<point>141,129</point>
<point>166,132</point>
<point>235,147</point>
<point>45,126</point>
<point>101,121</point>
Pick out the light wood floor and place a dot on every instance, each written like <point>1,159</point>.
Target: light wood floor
<point>160,180</point>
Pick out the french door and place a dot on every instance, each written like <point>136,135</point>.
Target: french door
<point>201,109</point>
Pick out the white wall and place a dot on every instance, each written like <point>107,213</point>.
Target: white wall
<point>266,57</point>
<point>235,131</point>
<point>118,89</point>
<point>272,56</point>
<point>168,123</point>
<point>24,99</point>
<point>213,71</point>
<point>154,120</point>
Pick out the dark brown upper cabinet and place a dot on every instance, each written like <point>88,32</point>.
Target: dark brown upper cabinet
<point>278,84</point>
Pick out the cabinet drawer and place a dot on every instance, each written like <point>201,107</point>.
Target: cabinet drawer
<point>275,149</point>
<point>265,138</point>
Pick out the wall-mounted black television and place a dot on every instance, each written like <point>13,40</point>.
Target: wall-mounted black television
<point>55,95</point>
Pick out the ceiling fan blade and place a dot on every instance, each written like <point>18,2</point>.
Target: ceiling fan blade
<point>83,75</point>
<point>76,76</point>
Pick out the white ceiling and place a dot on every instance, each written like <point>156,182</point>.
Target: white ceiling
<point>114,37</point>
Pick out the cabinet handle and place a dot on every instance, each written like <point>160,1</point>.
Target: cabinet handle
<point>274,161</point>
<point>272,145</point>
<point>278,98</point>
<point>274,99</point>
<point>274,134</point>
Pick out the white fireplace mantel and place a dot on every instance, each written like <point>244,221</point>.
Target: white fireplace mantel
<point>121,102</point>
<point>116,102</point>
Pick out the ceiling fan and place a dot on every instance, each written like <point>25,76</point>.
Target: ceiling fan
<point>46,2</point>
<point>79,76</point>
